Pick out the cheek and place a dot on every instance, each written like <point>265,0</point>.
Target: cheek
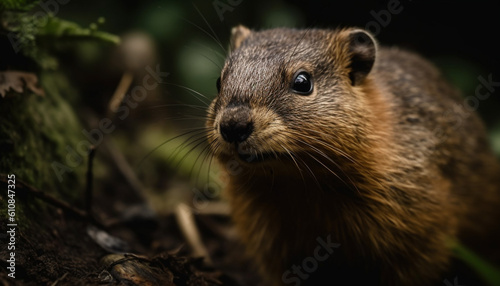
<point>270,127</point>
<point>264,119</point>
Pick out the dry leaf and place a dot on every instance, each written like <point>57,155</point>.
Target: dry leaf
<point>17,81</point>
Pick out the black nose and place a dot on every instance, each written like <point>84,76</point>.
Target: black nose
<point>236,124</point>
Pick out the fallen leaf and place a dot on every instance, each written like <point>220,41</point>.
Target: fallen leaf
<point>18,81</point>
<point>107,241</point>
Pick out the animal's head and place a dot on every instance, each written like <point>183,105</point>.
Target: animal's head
<point>287,94</point>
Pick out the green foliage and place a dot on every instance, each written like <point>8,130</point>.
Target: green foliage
<point>282,16</point>
<point>162,23</point>
<point>488,272</point>
<point>62,29</point>
<point>460,72</point>
<point>17,5</point>
<point>38,36</point>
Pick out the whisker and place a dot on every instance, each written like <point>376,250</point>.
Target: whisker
<point>295,162</point>
<point>201,134</point>
<point>330,146</point>
<point>194,106</point>
<point>201,141</point>
<point>214,36</point>
<point>310,171</point>
<point>221,56</point>
<point>206,57</point>
<point>297,45</point>
<point>345,155</point>
<point>214,150</point>
<point>204,151</point>
<point>333,162</point>
<point>191,90</point>
<point>162,144</point>
<point>183,118</point>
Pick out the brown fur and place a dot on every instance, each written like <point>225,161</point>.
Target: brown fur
<point>360,159</point>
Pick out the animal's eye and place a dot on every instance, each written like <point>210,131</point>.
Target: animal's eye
<point>302,83</point>
<point>218,84</point>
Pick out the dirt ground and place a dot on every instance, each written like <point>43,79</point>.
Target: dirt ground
<point>60,248</point>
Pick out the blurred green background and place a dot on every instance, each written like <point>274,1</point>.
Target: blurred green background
<point>191,36</point>
<point>189,40</point>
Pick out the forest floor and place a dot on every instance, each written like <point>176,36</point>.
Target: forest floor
<point>61,248</point>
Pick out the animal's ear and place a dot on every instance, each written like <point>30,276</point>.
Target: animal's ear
<point>363,51</point>
<point>238,35</point>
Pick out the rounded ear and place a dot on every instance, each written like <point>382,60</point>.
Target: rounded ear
<point>363,50</point>
<point>238,35</point>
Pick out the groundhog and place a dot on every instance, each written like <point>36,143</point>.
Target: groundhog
<point>359,164</point>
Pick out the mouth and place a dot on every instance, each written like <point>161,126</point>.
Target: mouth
<point>249,154</point>
<point>258,157</point>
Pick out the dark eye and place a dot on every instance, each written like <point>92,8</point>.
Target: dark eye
<point>302,83</point>
<point>218,84</point>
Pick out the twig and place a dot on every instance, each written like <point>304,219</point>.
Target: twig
<point>124,167</point>
<point>188,228</point>
<point>117,157</point>
<point>59,279</point>
<point>89,189</point>
<point>121,90</point>
<point>21,186</point>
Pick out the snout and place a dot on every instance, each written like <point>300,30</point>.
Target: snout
<point>252,134</point>
<point>236,124</point>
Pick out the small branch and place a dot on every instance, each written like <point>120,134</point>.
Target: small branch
<point>121,90</point>
<point>188,228</point>
<point>90,179</point>
<point>21,186</point>
<point>109,149</point>
<point>124,167</point>
<point>60,279</point>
